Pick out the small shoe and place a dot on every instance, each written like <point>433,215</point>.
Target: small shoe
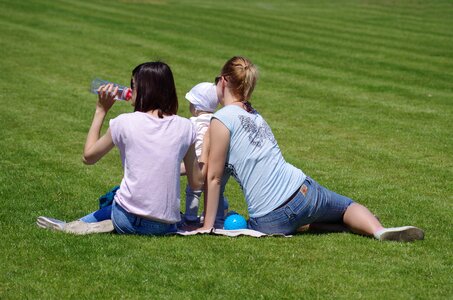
<point>192,220</point>
<point>51,223</point>
<point>80,227</point>
<point>400,234</point>
<point>189,225</point>
<point>188,220</point>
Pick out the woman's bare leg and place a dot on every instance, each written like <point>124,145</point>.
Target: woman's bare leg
<point>360,220</point>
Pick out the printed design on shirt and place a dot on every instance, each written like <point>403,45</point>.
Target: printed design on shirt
<point>257,134</point>
<point>232,171</point>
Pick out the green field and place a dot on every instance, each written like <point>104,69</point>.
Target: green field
<point>359,95</point>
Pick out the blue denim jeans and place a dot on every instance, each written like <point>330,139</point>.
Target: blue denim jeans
<point>102,214</point>
<point>128,223</point>
<point>313,203</point>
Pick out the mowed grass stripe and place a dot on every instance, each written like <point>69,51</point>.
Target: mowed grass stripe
<point>383,43</point>
<point>278,34</point>
<point>348,30</point>
<point>320,22</point>
<point>328,29</point>
<point>347,105</point>
<point>285,27</point>
<point>409,71</point>
<point>355,76</point>
<point>406,17</point>
<point>162,13</point>
<point>93,43</point>
<point>356,67</point>
<point>328,9</point>
<point>420,26</point>
<point>164,36</point>
<point>154,36</point>
<point>431,15</point>
<point>339,84</point>
<point>353,46</point>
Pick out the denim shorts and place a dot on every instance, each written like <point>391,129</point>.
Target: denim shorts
<point>313,203</point>
<point>128,223</point>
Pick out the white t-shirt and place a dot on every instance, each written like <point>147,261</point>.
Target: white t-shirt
<point>151,151</point>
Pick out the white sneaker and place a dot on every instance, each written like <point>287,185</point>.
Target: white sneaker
<point>80,227</point>
<point>51,223</point>
<point>400,234</point>
<point>75,227</point>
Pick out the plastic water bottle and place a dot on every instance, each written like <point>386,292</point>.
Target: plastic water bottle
<point>124,92</point>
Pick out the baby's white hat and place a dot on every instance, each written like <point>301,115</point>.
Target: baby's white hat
<point>203,96</point>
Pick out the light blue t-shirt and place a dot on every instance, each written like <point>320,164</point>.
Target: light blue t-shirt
<point>256,162</point>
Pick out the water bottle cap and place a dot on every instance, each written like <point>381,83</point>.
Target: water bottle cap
<point>128,94</point>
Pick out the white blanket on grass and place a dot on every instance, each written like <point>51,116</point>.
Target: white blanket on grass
<point>55,224</point>
<point>231,233</point>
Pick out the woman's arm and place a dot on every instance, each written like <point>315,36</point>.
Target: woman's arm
<point>219,140</point>
<point>96,147</point>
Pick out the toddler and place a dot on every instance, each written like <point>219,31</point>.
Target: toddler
<point>203,102</point>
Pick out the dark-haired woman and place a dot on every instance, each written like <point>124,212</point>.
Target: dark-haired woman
<point>280,197</point>
<point>152,142</point>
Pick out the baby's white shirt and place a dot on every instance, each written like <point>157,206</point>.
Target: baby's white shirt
<point>201,124</point>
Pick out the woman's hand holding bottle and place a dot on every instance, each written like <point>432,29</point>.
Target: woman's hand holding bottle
<point>106,97</point>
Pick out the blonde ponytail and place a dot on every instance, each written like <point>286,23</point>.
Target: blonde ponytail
<point>241,75</point>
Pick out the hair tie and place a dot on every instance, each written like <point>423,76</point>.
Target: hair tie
<point>248,106</point>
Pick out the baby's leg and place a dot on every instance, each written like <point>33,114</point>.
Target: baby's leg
<point>192,204</point>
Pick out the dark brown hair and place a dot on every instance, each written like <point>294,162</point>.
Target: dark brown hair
<point>155,88</point>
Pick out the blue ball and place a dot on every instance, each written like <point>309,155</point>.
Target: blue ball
<point>234,222</point>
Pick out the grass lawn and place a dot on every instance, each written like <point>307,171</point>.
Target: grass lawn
<point>359,95</point>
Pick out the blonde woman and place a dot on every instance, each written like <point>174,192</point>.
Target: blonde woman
<point>280,197</point>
